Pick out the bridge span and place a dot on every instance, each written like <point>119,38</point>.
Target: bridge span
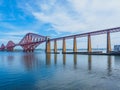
<point>30,41</point>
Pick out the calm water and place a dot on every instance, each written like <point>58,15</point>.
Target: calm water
<point>38,71</point>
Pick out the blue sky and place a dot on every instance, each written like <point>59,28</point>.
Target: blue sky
<point>56,17</point>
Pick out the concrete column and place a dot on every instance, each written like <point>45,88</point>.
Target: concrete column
<point>89,44</point>
<point>48,49</point>
<point>64,46</point>
<point>74,45</point>
<point>55,46</point>
<point>108,42</point>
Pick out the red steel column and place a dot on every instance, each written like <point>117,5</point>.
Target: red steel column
<point>89,44</point>
<point>108,43</point>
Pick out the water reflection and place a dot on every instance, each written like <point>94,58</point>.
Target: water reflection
<point>89,62</point>
<point>64,59</point>
<point>109,62</point>
<point>75,60</point>
<point>50,78</point>
<point>48,59</point>
<point>10,59</point>
<point>55,58</point>
<point>30,61</point>
<point>117,60</point>
<point>2,58</point>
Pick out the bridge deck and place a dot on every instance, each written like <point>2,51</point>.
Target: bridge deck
<point>111,30</point>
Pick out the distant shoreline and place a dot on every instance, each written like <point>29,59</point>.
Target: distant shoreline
<point>66,49</point>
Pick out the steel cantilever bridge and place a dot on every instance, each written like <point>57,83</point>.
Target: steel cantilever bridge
<point>30,41</point>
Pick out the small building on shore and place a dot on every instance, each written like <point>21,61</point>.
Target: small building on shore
<point>116,47</point>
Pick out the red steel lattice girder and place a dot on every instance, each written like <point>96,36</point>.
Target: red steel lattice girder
<point>31,41</point>
<point>10,45</point>
<point>2,47</point>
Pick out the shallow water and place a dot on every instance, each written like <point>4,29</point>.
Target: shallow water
<point>38,71</point>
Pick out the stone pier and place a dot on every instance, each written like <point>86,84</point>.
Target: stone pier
<point>89,44</point>
<point>108,43</point>
<point>64,46</point>
<point>48,49</point>
<point>74,45</point>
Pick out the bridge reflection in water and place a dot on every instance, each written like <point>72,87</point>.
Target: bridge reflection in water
<point>39,70</point>
<point>55,58</point>
<point>48,59</point>
<point>31,60</point>
<point>89,62</point>
<point>109,65</point>
<point>75,61</point>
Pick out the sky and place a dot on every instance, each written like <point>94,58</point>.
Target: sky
<point>56,18</point>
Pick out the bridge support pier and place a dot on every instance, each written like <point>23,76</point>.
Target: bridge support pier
<point>89,44</point>
<point>55,46</point>
<point>108,43</point>
<point>64,46</point>
<point>74,45</point>
<point>48,49</point>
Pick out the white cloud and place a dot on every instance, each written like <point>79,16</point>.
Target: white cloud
<point>78,15</point>
<point>79,5</point>
<point>60,21</point>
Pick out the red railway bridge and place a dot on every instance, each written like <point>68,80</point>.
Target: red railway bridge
<point>30,41</point>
